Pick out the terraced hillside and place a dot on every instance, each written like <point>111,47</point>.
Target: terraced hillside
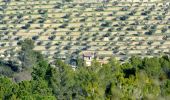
<point>118,28</point>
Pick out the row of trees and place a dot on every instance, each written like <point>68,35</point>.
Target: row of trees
<point>138,78</point>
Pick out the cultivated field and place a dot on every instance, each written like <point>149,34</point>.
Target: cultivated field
<point>119,28</point>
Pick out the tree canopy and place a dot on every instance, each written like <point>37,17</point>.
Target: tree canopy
<point>147,78</point>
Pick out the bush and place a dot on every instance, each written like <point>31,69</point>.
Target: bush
<point>105,24</point>
<point>48,45</point>
<point>35,37</point>
<point>42,11</point>
<point>26,26</point>
<point>150,32</point>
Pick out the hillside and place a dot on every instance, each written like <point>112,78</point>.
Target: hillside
<point>84,49</point>
<point>65,29</point>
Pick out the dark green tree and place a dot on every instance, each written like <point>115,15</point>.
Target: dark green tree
<point>27,55</point>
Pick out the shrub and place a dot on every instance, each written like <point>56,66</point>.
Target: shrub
<point>48,45</point>
<point>35,37</point>
<point>63,25</point>
<point>106,24</point>
<point>42,11</point>
<point>26,26</point>
<point>52,37</point>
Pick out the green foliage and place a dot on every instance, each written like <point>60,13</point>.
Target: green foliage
<point>67,1</point>
<point>7,68</point>
<point>136,61</point>
<point>39,71</point>
<point>7,88</point>
<point>27,56</point>
<point>27,44</point>
<point>80,62</point>
<point>138,78</point>
<point>62,81</point>
<point>6,71</point>
<point>152,66</point>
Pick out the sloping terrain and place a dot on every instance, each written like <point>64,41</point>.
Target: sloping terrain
<point>115,28</point>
